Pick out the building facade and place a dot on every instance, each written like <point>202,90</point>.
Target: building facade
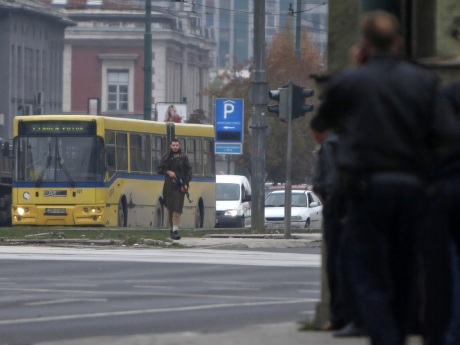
<point>31,54</point>
<point>232,23</point>
<point>104,57</point>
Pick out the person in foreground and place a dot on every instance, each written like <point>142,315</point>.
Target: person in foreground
<point>393,129</point>
<point>441,261</point>
<point>326,183</point>
<point>178,174</point>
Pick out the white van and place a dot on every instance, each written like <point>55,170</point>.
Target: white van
<point>233,201</point>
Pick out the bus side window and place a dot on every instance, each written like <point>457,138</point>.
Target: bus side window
<point>208,163</point>
<point>110,152</point>
<point>111,158</point>
<point>135,148</point>
<point>122,151</point>
<point>6,149</point>
<point>145,154</point>
<point>158,144</point>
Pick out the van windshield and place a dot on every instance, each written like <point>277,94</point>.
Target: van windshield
<point>227,191</point>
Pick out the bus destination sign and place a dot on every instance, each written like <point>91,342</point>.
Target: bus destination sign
<point>60,128</point>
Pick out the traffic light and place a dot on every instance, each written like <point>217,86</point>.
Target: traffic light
<point>280,109</point>
<point>299,107</point>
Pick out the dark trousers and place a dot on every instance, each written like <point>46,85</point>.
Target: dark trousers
<point>382,236</point>
<point>453,331</point>
<point>333,233</point>
<point>342,300</point>
<point>440,264</point>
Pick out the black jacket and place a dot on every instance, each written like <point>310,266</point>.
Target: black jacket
<point>392,116</point>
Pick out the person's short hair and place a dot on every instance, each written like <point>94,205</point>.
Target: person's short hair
<point>380,29</point>
<point>175,140</point>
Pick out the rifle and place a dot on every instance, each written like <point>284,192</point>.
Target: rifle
<point>181,184</point>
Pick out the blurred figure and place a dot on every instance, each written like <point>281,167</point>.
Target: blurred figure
<point>343,313</point>
<point>172,114</point>
<point>388,109</point>
<point>442,242</point>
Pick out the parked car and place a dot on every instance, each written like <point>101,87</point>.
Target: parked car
<point>281,186</point>
<point>233,201</point>
<point>306,209</point>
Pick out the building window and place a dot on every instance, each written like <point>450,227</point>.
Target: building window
<point>58,2</point>
<point>117,90</point>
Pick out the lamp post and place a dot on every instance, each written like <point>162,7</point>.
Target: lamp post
<point>148,61</point>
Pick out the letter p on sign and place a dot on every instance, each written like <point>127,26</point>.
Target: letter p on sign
<point>229,108</point>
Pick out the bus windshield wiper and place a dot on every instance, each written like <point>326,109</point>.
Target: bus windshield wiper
<point>63,167</point>
<point>42,172</point>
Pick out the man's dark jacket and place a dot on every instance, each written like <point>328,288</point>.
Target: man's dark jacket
<point>393,112</point>
<point>173,197</point>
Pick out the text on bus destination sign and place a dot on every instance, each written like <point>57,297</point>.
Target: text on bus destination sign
<point>57,128</point>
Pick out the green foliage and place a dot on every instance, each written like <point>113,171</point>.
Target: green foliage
<point>282,66</point>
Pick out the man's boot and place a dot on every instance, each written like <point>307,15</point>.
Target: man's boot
<point>175,235</point>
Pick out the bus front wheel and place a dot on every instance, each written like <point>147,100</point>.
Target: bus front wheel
<point>122,213</point>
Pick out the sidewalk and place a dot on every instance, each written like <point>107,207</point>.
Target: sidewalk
<point>232,241</point>
<point>285,333</point>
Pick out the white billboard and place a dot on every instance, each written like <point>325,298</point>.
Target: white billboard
<point>171,112</point>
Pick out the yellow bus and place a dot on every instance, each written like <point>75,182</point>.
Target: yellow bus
<point>101,171</point>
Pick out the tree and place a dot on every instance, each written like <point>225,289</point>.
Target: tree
<point>282,65</point>
<point>198,116</point>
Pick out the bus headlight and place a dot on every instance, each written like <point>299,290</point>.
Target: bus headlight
<point>21,211</point>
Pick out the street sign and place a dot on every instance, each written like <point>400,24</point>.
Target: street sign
<point>229,125</point>
<point>228,149</point>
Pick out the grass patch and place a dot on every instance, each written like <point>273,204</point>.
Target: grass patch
<point>309,325</point>
<point>128,236</point>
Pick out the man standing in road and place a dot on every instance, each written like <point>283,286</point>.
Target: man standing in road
<point>178,174</point>
<point>389,111</point>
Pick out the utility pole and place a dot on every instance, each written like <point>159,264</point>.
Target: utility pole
<point>288,187</point>
<point>298,27</point>
<point>259,123</point>
<point>148,61</point>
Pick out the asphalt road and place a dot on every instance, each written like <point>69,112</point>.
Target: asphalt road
<point>51,294</point>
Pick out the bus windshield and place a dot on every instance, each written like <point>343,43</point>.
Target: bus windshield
<point>59,159</point>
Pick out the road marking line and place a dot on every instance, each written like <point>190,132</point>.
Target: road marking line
<point>150,293</point>
<point>68,300</point>
<point>152,311</point>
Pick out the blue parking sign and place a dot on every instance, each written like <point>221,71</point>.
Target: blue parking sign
<point>229,121</point>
